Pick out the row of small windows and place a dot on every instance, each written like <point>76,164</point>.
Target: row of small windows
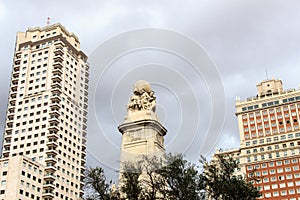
<point>292,99</point>
<point>31,129</point>
<point>34,61</point>
<point>269,148</point>
<point>30,176</point>
<point>283,193</point>
<point>29,136</point>
<point>42,36</point>
<point>272,111</point>
<point>272,103</point>
<point>279,170</point>
<point>43,45</point>
<point>275,139</point>
<point>25,108</point>
<point>34,54</point>
<point>273,164</point>
<point>37,67</point>
<point>282,185</point>
<point>263,105</point>
<point>31,88</point>
<point>272,155</point>
<point>35,74</point>
<point>268,132</point>
<point>32,100</point>
<point>40,158</point>
<point>29,144</point>
<point>27,194</point>
<point>32,114</point>
<point>266,119</point>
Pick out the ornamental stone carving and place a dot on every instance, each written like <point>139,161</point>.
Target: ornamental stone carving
<point>143,97</point>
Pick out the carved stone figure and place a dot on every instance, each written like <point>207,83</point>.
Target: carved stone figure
<point>143,97</point>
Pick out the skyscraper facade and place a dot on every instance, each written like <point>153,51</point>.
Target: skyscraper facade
<point>44,142</point>
<point>270,139</point>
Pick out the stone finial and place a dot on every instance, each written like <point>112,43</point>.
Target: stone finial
<point>143,97</point>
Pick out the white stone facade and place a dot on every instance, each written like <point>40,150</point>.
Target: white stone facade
<point>47,111</point>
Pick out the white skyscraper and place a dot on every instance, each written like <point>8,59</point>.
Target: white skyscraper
<point>44,142</point>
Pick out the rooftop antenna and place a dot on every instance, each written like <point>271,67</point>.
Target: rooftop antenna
<point>48,21</point>
<point>267,74</point>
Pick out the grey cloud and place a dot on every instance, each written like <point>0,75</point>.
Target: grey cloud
<point>242,38</point>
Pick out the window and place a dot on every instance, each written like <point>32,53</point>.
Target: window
<point>3,182</point>
<point>279,170</point>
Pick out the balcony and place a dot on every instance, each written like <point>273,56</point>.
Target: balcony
<point>54,121</point>
<point>84,120</point>
<point>86,93</point>
<point>54,113</point>
<point>55,106</point>
<point>55,97</point>
<point>57,71</point>
<point>58,58</point>
<point>84,133</point>
<point>82,162</point>
<point>12,102</point>
<point>14,88</point>
<point>13,94</point>
<point>50,169</point>
<point>53,127</point>
<point>58,51</point>
<point>49,186</point>
<point>7,144</point>
<point>84,140</point>
<point>56,78</point>
<point>84,127</point>
<point>48,195</point>
<point>56,90</point>
<point>8,131</point>
<point>58,65</point>
<point>17,68</point>
<point>6,150</point>
<point>49,177</point>
<point>52,144</point>
<point>83,155</point>
<point>5,154</point>
<point>81,193</point>
<point>10,124</point>
<point>16,74</point>
<point>11,109</point>
<point>59,44</point>
<point>51,152</point>
<point>51,160</point>
<point>8,136</point>
<point>10,117</point>
<point>17,61</point>
<point>15,81</point>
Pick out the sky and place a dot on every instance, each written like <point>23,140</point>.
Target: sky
<point>198,55</point>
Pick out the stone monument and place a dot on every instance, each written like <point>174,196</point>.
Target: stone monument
<point>142,133</point>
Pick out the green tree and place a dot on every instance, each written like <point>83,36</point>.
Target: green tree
<point>141,180</point>
<point>171,177</point>
<point>181,178</point>
<point>97,187</point>
<point>130,185</point>
<point>221,183</point>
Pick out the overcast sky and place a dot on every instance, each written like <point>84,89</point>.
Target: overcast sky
<point>241,38</point>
